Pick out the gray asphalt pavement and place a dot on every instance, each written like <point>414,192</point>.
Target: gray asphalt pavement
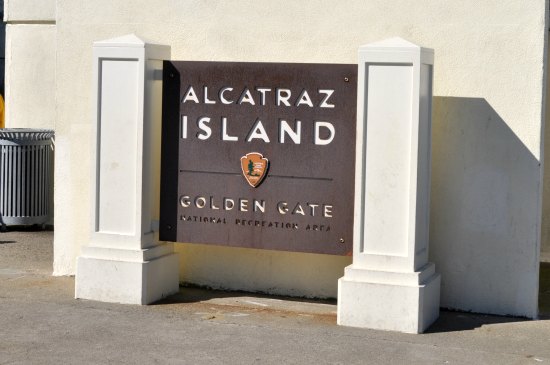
<point>41,323</point>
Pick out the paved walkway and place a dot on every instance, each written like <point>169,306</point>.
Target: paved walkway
<point>41,323</point>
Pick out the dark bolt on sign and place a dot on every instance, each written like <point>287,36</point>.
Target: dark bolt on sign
<point>259,155</point>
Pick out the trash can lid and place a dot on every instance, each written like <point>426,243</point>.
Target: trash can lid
<point>26,134</point>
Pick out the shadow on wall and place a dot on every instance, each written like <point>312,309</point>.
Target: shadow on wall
<point>484,204</point>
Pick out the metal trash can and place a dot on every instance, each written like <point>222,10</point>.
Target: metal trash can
<point>26,176</point>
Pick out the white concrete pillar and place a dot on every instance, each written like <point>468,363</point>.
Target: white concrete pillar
<point>124,262</point>
<point>390,284</point>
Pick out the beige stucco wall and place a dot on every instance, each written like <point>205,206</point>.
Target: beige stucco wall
<point>545,239</point>
<point>30,81</point>
<point>26,11</point>
<point>486,179</point>
<point>30,63</point>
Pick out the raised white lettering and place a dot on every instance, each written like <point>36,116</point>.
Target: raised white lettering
<point>243,205</point>
<point>298,210</point>
<point>324,103</point>
<point>225,136</point>
<point>295,135</point>
<point>312,206</point>
<point>206,129</point>
<point>200,202</point>
<point>222,97</point>
<point>212,205</point>
<point>282,207</point>
<point>228,203</point>
<point>184,201</point>
<point>206,100</point>
<point>183,127</point>
<point>262,91</point>
<point>190,95</point>
<point>323,141</point>
<point>246,97</point>
<point>283,98</point>
<point>258,131</point>
<point>259,205</point>
<point>304,99</point>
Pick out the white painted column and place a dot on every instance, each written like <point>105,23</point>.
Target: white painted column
<point>390,284</point>
<point>124,262</point>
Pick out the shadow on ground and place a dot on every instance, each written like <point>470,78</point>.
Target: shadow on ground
<point>24,229</point>
<point>544,290</point>
<point>448,321</point>
<point>459,321</point>
<point>453,321</point>
<point>28,228</point>
<point>195,294</point>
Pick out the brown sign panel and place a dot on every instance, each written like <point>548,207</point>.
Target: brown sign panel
<point>259,155</point>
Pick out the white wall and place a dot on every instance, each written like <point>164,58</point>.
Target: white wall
<point>30,63</point>
<point>545,239</point>
<point>486,181</point>
<point>26,11</point>
<point>2,48</point>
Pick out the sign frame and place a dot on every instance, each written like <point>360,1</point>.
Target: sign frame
<point>312,128</point>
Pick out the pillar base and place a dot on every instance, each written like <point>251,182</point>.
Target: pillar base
<point>404,302</point>
<point>127,276</point>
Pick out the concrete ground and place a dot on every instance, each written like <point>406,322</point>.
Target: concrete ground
<point>41,323</point>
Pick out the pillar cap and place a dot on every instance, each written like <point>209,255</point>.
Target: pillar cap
<point>394,44</point>
<point>128,40</point>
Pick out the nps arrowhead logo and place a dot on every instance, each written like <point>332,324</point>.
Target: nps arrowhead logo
<point>254,167</point>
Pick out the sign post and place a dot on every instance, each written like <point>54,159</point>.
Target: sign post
<point>124,261</point>
<point>391,285</point>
